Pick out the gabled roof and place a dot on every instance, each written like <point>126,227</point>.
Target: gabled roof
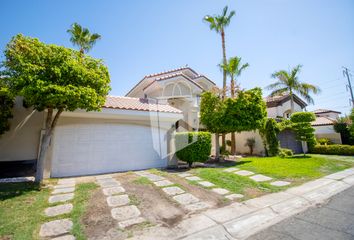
<point>172,76</point>
<point>139,104</point>
<point>325,111</point>
<point>170,73</point>
<point>323,121</point>
<point>274,101</point>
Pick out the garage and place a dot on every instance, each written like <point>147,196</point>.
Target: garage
<point>84,149</point>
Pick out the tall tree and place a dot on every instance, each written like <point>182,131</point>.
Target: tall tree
<point>218,23</point>
<point>82,37</point>
<point>301,124</point>
<point>288,82</point>
<point>6,104</point>
<point>233,69</point>
<point>54,79</point>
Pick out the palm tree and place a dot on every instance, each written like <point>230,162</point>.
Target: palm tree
<point>233,69</point>
<point>82,37</point>
<point>288,82</point>
<point>218,24</point>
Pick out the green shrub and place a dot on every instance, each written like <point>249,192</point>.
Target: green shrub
<point>285,152</point>
<point>324,141</point>
<point>193,146</point>
<point>335,149</point>
<point>250,143</point>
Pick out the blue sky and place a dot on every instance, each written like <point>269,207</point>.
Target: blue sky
<point>144,37</point>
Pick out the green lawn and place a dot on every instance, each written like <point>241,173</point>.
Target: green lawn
<point>297,170</point>
<point>22,206</point>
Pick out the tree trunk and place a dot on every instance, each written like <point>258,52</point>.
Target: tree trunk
<point>224,62</point>
<point>49,128</point>
<point>233,143</point>
<point>217,147</point>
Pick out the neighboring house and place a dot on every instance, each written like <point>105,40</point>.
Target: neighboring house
<point>325,120</point>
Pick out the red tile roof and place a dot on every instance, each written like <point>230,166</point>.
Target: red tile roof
<point>140,104</point>
<point>323,121</point>
<point>325,111</point>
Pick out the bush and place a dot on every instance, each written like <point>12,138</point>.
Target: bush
<point>335,149</point>
<point>285,152</point>
<point>193,146</point>
<point>324,141</point>
<point>250,143</point>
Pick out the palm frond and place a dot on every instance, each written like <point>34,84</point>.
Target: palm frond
<point>275,86</point>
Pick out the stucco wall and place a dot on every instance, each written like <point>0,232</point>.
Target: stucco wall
<point>280,110</point>
<point>328,132</point>
<point>22,141</point>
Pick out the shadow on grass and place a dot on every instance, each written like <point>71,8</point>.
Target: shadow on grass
<point>300,156</point>
<point>11,190</point>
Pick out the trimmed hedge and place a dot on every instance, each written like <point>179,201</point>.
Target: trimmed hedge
<point>285,152</point>
<point>193,146</point>
<point>335,149</point>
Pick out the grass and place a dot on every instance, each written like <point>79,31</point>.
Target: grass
<point>297,168</point>
<point>82,195</point>
<point>22,209</point>
<point>142,181</point>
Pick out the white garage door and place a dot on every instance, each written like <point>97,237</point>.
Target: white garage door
<point>83,149</point>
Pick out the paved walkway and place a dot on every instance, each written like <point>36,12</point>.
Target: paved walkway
<point>187,200</point>
<point>122,210</point>
<point>242,220</point>
<point>334,220</point>
<point>61,194</point>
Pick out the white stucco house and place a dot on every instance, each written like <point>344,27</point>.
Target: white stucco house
<point>136,131</point>
<point>325,120</point>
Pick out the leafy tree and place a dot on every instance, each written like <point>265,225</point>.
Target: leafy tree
<point>245,112</point>
<point>302,127</point>
<point>342,126</point>
<point>6,105</point>
<point>351,127</point>
<point>54,79</point>
<point>269,131</point>
<point>233,68</point>
<point>211,113</point>
<point>218,23</point>
<point>288,82</point>
<point>82,37</point>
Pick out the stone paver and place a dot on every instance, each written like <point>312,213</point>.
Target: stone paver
<point>58,210</point>
<point>65,237</point>
<point>193,178</point>
<point>183,175</point>
<point>260,178</point>
<point>131,222</point>
<point>220,191</point>
<point>113,190</point>
<point>118,200</point>
<point>154,178</point>
<point>66,181</point>
<point>163,183</point>
<point>185,199</point>
<point>67,185</point>
<point>103,177</point>
<point>109,184</point>
<point>61,197</point>
<point>55,228</point>
<point>280,183</point>
<point>206,184</point>
<point>172,190</point>
<point>63,190</point>
<point>244,173</point>
<point>234,196</point>
<point>125,213</point>
<point>231,169</point>
<point>197,206</point>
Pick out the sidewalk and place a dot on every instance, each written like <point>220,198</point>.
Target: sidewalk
<point>241,220</point>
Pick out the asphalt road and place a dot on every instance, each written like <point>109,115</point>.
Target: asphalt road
<point>331,221</point>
